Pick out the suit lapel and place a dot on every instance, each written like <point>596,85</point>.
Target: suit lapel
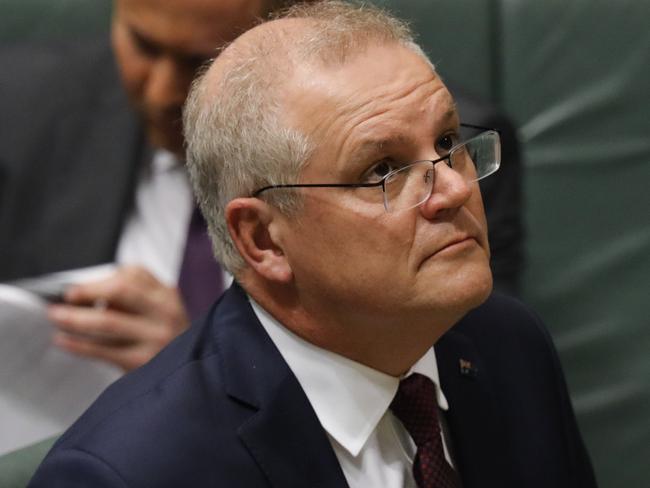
<point>283,434</point>
<point>289,443</point>
<point>474,423</point>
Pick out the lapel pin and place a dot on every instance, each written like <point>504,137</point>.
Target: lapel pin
<point>467,368</point>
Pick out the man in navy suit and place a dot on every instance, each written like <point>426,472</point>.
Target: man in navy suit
<point>349,212</point>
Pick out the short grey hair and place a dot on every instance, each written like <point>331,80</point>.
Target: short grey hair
<point>236,136</point>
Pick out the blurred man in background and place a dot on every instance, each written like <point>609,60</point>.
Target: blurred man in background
<point>95,174</point>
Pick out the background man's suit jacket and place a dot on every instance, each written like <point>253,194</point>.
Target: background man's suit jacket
<point>70,149</point>
<point>220,407</point>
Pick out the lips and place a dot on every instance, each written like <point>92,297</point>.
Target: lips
<point>455,241</point>
<point>453,236</point>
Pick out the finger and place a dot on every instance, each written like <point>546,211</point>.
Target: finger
<point>121,283</point>
<point>131,289</point>
<point>88,293</point>
<point>125,357</point>
<point>100,323</point>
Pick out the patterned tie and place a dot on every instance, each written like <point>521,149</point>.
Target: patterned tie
<point>200,281</point>
<point>416,407</point>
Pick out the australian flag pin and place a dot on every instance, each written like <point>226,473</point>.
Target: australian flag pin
<point>467,368</point>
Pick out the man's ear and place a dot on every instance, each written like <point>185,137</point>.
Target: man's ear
<point>249,223</point>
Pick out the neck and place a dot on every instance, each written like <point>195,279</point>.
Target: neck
<point>388,344</point>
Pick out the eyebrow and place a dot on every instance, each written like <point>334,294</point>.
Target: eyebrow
<point>371,145</point>
<point>451,113</point>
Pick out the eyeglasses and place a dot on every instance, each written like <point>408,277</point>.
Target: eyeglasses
<point>412,184</point>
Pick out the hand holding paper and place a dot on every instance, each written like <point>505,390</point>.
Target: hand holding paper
<point>124,319</point>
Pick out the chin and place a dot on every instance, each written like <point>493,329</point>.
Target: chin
<point>473,293</point>
<point>481,289</point>
<point>166,139</point>
<point>463,289</point>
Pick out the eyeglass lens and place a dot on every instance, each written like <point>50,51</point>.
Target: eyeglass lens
<point>411,185</point>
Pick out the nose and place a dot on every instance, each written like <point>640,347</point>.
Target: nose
<point>167,84</point>
<point>450,192</point>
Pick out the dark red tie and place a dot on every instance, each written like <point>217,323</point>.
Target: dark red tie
<point>200,281</point>
<point>416,407</point>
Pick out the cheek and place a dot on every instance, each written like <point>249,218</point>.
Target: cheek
<point>475,207</point>
<point>353,245</point>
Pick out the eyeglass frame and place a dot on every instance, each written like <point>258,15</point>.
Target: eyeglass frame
<point>382,182</point>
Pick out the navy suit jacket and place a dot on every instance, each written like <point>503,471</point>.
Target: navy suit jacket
<point>220,407</point>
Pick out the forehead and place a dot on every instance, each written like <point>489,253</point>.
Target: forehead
<point>193,26</point>
<point>386,94</point>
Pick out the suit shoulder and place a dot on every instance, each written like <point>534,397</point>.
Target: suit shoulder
<point>171,423</point>
<point>503,322</point>
<point>74,467</point>
<point>504,311</point>
<point>519,366</point>
<point>179,367</point>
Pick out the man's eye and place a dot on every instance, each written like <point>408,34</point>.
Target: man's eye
<point>446,142</point>
<point>145,46</point>
<point>380,170</point>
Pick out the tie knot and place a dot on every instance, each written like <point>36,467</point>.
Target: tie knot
<point>416,407</point>
<point>197,221</point>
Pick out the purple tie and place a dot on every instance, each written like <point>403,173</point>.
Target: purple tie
<point>416,407</point>
<point>201,280</point>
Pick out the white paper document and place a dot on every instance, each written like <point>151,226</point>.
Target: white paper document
<point>42,388</point>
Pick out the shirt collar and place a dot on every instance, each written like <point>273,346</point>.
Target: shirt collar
<point>348,398</point>
<point>165,161</point>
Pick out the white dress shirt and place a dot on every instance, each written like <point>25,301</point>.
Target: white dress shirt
<point>156,230</point>
<point>352,403</point>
